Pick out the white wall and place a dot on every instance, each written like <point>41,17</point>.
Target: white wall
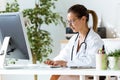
<point>109,10</point>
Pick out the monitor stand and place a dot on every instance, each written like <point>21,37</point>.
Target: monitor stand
<point>3,51</point>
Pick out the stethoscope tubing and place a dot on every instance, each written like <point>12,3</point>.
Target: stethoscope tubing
<point>80,45</point>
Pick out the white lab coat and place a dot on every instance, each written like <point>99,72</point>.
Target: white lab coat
<point>94,43</point>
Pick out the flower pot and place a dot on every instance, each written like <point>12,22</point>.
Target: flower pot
<point>114,63</point>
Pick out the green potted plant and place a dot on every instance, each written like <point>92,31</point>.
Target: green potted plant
<point>11,7</point>
<point>40,40</point>
<point>114,59</point>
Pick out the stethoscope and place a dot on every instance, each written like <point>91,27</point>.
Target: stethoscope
<point>83,43</point>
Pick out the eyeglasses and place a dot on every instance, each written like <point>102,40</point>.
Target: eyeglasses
<point>71,21</point>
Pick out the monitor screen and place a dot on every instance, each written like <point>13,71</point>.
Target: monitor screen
<point>12,25</point>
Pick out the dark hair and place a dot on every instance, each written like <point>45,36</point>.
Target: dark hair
<point>81,10</point>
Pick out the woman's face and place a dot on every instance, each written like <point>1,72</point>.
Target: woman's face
<point>74,22</point>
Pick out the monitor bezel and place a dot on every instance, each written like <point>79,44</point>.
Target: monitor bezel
<point>23,29</point>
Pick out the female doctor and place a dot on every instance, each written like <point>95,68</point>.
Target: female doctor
<point>83,46</point>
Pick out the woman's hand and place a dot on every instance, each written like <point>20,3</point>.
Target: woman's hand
<point>56,63</point>
<point>60,63</point>
<point>49,62</point>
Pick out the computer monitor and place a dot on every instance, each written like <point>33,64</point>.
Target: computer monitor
<point>12,25</point>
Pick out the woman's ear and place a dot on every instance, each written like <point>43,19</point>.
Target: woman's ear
<point>84,18</point>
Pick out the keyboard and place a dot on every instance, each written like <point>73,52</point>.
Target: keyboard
<point>15,67</point>
<point>22,66</point>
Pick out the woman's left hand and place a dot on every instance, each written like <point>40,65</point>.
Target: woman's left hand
<point>60,63</point>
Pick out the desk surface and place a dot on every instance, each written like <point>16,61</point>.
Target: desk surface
<point>62,71</point>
